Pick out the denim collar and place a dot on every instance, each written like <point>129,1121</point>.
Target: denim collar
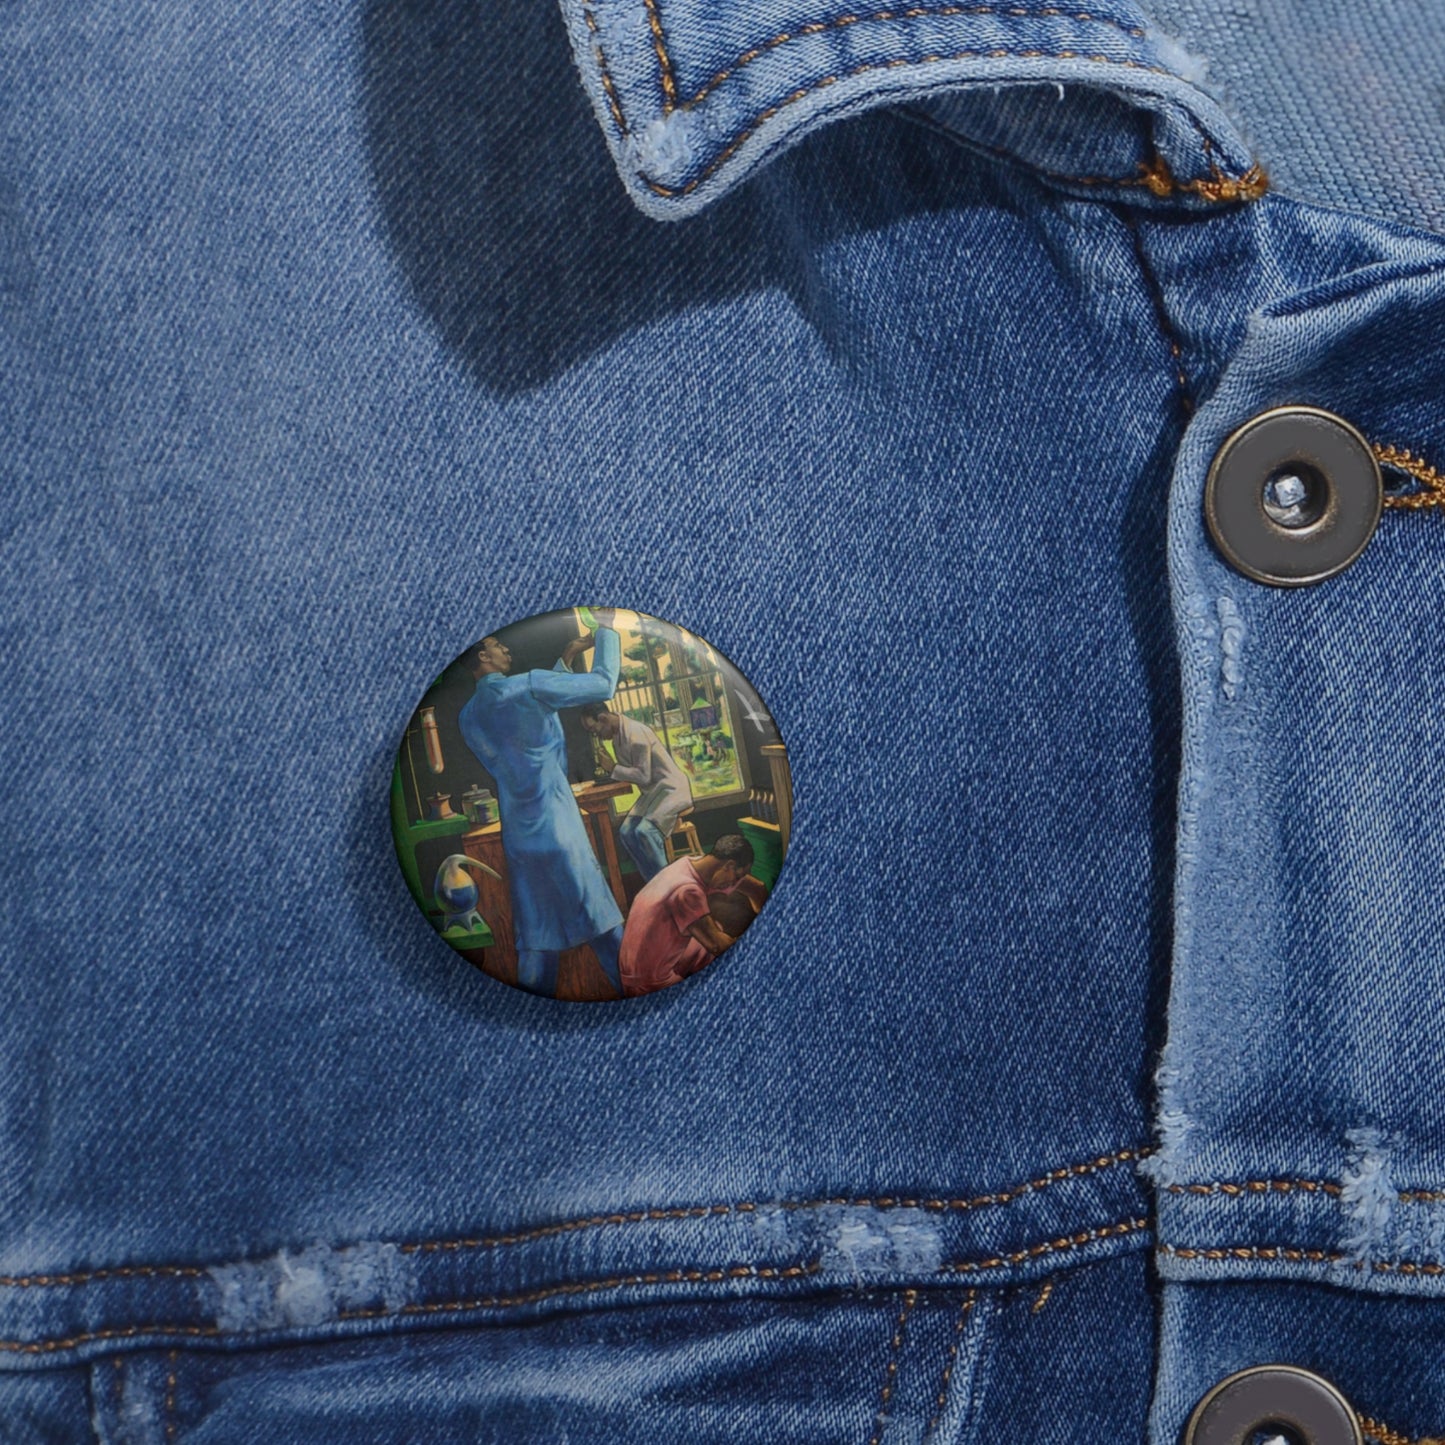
<point>695,95</point>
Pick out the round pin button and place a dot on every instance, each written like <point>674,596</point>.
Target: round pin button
<point>1293,496</point>
<point>591,804</point>
<point>1273,1399</point>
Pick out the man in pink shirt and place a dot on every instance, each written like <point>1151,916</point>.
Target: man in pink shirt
<point>670,932</point>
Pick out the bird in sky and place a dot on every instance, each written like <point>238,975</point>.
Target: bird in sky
<point>759,719</point>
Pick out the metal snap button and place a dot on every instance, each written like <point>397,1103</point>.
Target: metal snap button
<point>1293,496</point>
<point>1280,1399</point>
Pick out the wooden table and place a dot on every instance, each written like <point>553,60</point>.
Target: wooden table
<point>595,800</point>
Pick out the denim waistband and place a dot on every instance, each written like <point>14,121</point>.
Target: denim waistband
<point>1082,1211</point>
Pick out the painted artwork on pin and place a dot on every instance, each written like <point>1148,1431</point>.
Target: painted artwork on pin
<point>591,804</point>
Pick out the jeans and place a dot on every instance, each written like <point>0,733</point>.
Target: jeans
<point>645,845</point>
<point>1088,1046</point>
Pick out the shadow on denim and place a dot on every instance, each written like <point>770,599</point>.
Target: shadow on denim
<point>506,214</point>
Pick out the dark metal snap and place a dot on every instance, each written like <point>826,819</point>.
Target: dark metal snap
<point>1282,1399</point>
<point>1293,496</point>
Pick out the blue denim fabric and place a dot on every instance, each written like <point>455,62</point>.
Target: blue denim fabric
<point>1340,96</point>
<point>331,341</point>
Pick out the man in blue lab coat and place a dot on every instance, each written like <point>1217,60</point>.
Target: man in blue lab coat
<point>560,895</point>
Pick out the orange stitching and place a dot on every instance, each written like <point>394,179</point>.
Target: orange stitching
<point>1219,188</point>
<point>664,60</point>
<point>1044,1295</point>
<point>582,1287</point>
<point>887,1201</point>
<point>1250,186</point>
<point>125,1271</point>
<point>764,116</point>
<point>914,12</point>
<point>129,1332</point>
<point>170,1402</point>
<point>613,102</point>
<point>569,1226</point>
<point>636,1216</point>
<point>1386,1436</point>
<point>942,1401</point>
<point>593,1286</point>
<point>1156,175</point>
<point>1296,1255</point>
<point>1253,1251</point>
<point>1432,496</point>
<point>1053,1246</point>
<point>1235,1190</point>
<point>1222,189</point>
<point>910,1298</point>
<point>1259,1186</point>
<point>1382,1433</point>
<point>1003,1196</point>
<point>1145,178</point>
<point>672,1276</point>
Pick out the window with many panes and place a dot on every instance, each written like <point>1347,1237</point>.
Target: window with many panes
<point>671,683</point>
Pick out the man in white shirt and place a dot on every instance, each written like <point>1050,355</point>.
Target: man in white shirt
<point>665,791</point>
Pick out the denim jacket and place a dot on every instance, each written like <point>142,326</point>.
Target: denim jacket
<point>1091,1047</point>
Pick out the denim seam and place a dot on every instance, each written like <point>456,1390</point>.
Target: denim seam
<point>950,1361</point>
<point>913,12</point>
<point>664,60</point>
<point>1382,1433</point>
<point>1052,1246</point>
<point>994,1200</point>
<point>614,103</point>
<point>1156,178</point>
<point>1297,1255</point>
<point>998,1198</point>
<point>1045,1294</point>
<point>583,1287</point>
<point>123,1271</point>
<point>1218,188</point>
<point>591,1286</point>
<point>119,1332</point>
<point>1406,461</point>
<point>1155,175</point>
<point>1161,312</point>
<point>1235,1189</point>
<point>890,1374</point>
<point>672,1276</point>
<point>168,1412</point>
